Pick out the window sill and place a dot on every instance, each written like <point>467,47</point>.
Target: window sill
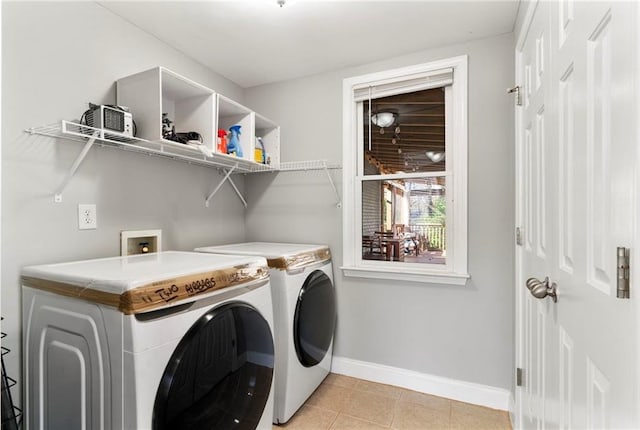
<point>406,275</point>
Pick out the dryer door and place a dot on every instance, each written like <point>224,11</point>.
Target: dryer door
<point>220,375</point>
<point>314,319</point>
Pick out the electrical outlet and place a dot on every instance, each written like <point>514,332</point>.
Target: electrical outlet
<point>87,217</point>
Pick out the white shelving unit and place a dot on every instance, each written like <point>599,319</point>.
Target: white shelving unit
<point>191,107</point>
<point>230,113</point>
<point>270,134</point>
<point>151,93</point>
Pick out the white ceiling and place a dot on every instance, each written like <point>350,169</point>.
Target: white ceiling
<point>254,42</point>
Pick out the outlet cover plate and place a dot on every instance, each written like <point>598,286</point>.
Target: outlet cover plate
<point>87,217</point>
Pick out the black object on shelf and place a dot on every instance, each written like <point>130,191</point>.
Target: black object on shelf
<point>10,414</point>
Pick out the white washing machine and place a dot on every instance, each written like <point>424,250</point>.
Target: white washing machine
<point>173,340</point>
<point>304,308</point>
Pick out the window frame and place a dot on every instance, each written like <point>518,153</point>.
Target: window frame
<point>456,105</point>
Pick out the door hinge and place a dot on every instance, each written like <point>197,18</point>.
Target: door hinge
<point>518,236</point>
<point>516,90</point>
<point>623,273</point>
<point>518,377</point>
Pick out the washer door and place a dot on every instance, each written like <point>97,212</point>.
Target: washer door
<point>220,375</point>
<point>314,319</point>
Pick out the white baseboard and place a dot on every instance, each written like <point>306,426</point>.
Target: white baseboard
<point>468,392</point>
<point>512,410</point>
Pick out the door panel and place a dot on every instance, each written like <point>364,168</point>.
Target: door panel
<point>566,378</point>
<point>577,156</point>
<point>566,160</point>
<point>599,147</point>
<point>536,168</point>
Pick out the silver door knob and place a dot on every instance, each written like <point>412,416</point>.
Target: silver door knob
<point>541,289</point>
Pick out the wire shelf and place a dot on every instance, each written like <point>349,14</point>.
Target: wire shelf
<point>290,166</point>
<point>189,153</point>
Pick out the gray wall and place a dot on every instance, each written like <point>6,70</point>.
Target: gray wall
<point>460,332</point>
<point>56,58</point>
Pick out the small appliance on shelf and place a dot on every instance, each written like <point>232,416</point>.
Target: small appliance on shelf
<point>116,120</point>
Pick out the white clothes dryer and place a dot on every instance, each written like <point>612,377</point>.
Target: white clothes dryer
<point>304,304</point>
<point>173,340</point>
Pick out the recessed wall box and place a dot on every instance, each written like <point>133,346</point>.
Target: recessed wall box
<point>140,241</point>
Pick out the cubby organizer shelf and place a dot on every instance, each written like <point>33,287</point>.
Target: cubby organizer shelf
<point>192,154</point>
<point>192,107</point>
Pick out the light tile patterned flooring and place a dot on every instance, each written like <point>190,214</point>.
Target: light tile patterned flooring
<point>342,402</point>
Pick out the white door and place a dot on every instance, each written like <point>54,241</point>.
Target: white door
<point>577,155</point>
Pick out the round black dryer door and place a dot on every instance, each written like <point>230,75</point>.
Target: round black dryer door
<point>220,375</point>
<point>314,319</point>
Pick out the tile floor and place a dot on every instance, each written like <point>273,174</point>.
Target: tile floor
<point>342,402</point>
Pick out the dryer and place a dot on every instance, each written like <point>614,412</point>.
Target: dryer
<point>155,341</point>
<point>304,317</point>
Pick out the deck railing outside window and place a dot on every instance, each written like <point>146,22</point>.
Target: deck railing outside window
<point>434,235</point>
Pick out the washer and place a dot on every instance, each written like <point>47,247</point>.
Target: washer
<point>304,308</point>
<point>173,340</point>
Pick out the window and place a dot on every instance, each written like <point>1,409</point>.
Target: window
<point>405,173</point>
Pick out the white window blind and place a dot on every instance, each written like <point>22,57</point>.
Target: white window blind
<point>410,83</point>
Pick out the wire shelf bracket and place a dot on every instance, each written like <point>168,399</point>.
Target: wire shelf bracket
<point>239,194</point>
<point>303,166</point>
<point>227,177</point>
<point>85,150</point>
<point>333,185</point>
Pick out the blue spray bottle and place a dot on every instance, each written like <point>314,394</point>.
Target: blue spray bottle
<point>233,147</point>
